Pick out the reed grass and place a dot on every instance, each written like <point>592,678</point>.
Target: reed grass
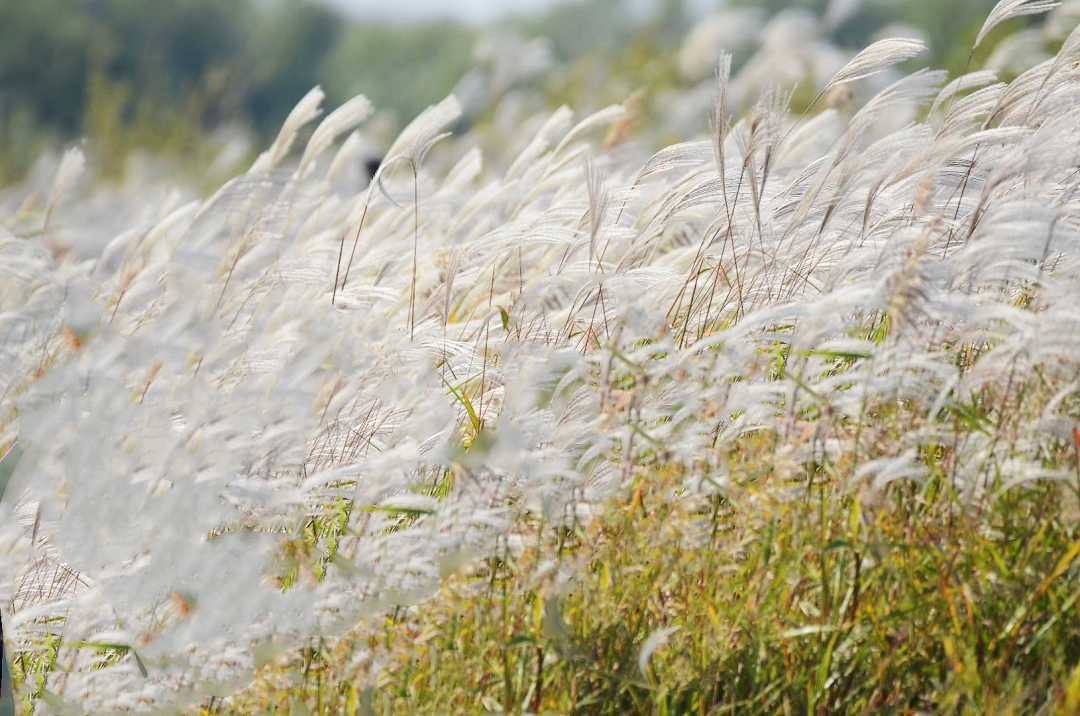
<point>778,420</point>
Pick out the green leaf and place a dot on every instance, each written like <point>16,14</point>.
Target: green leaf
<point>142,668</point>
<point>473,417</point>
<point>839,355</point>
<point>407,511</point>
<point>969,416</point>
<point>1072,693</point>
<point>520,640</point>
<point>100,646</point>
<point>8,463</point>
<point>836,545</point>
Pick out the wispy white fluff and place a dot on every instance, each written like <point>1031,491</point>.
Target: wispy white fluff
<point>343,119</point>
<point>594,312</point>
<point>1009,9</point>
<point>307,110</point>
<point>875,58</point>
<point>71,166</point>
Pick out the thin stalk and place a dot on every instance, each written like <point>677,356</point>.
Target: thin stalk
<point>416,251</point>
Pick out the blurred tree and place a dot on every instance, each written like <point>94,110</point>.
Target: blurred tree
<point>171,43</point>
<point>402,68</point>
<point>950,26</point>
<point>575,29</point>
<point>44,47</point>
<point>150,69</point>
<point>771,7</point>
<point>159,74</point>
<point>286,49</point>
<point>43,58</point>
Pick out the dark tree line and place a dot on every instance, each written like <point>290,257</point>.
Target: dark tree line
<point>71,68</point>
<point>159,74</point>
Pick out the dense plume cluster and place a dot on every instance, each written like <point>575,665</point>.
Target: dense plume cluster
<point>261,417</point>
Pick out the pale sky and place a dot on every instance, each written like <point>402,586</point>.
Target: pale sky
<point>481,11</point>
<point>473,11</point>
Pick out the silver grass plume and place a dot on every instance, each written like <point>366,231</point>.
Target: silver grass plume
<point>1010,9</point>
<point>197,377</point>
<point>71,166</point>
<point>306,111</point>
<point>875,58</point>
<point>343,119</point>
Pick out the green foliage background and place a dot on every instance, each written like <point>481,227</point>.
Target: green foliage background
<point>160,75</point>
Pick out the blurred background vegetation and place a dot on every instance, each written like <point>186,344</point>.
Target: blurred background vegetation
<point>178,78</point>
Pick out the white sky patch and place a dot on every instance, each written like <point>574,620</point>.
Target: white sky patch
<point>470,11</point>
<point>483,11</point>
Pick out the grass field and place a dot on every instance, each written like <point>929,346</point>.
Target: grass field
<point>779,420</point>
